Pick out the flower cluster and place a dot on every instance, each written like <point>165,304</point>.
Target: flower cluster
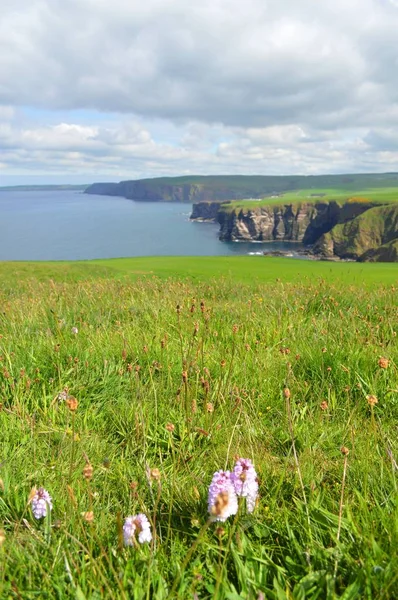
<point>41,503</point>
<point>226,487</point>
<point>222,500</point>
<point>136,526</point>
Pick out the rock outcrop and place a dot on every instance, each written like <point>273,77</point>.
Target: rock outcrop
<point>368,237</point>
<point>304,222</point>
<point>353,230</point>
<point>205,211</point>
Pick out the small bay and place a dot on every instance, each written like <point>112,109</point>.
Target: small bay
<point>69,225</point>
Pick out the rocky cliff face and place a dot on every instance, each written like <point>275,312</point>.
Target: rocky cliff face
<point>205,211</point>
<point>291,222</point>
<point>368,237</point>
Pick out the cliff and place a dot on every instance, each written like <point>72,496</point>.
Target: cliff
<point>371,236</point>
<point>304,222</point>
<point>205,211</point>
<point>218,188</point>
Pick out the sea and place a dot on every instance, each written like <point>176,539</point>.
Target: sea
<point>70,225</point>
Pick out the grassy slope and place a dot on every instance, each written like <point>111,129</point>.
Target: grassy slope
<point>297,324</point>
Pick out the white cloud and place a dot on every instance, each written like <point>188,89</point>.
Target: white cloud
<point>217,86</point>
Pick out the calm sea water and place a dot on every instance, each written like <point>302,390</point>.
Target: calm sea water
<point>68,225</point>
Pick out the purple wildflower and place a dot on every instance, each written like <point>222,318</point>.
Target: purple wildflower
<point>41,502</point>
<point>245,481</point>
<point>136,524</point>
<point>222,500</point>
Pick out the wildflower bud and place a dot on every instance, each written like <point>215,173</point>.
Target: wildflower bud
<point>202,306</point>
<point>220,532</point>
<point>88,516</point>
<point>192,309</point>
<point>286,393</point>
<point>209,407</point>
<point>324,405</point>
<point>155,474</point>
<point>170,427</point>
<point>383,362</point>
<point>324,350</point>
<point>329,369</point>
<point>372,400</point>
<point>88,471</point>
<point>223,363</point>
<point>72,403</point>
<point>344,451</point>
<point>178,309</point>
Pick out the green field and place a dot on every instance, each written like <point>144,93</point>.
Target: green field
<point>179,366</point>
<point>385,195</point>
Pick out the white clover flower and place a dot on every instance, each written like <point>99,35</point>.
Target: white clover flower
<point>222,500</point>
<point>137,525</point>
<point>75,330</point>
<point>41,503</point>
<point>245,482</point>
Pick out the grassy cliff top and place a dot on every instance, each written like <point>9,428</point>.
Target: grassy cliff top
<point>382,195</point>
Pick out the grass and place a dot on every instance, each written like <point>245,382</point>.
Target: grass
<point>381,195</point>
<point>185,390</point>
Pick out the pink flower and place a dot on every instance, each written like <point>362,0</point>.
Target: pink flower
<point>222,500</point>
<point>41,502</point>
<point>245,482</point>
<point>136,525</point>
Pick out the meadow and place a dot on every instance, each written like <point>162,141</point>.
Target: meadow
<point>126,384</point>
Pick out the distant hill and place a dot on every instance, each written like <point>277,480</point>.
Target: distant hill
<point>43,188</point>
<point>219,188</point>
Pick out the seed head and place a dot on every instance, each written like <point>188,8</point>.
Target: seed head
<point>170,427</point>
<point>209,407</point>
<point>88,471</point>
<point>372,400</point>
<point>2,537</point>
<point>324,405</point>
<point>344,451</point>
<point>155,474</point>
<point>72,403</point>
<point>88,516</point>
<point>383,362</point>
<point>286,393</point>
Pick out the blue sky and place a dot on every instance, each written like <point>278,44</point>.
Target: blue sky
<point>99,91</point>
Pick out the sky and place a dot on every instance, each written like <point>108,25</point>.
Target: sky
<point>100,90</point>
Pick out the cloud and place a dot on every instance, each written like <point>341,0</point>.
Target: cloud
<point>176,86</point>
